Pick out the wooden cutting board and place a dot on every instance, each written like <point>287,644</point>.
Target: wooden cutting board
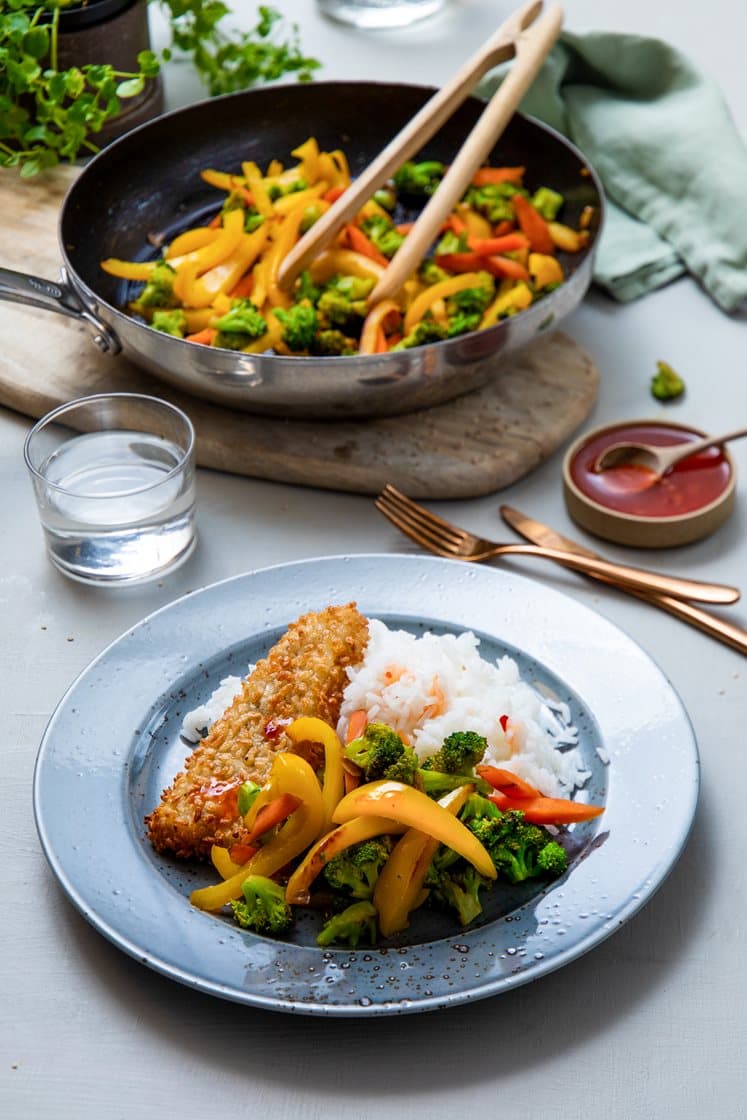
<point>475,445</point>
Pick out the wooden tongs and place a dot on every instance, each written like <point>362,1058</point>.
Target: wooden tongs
<point>523,37</point>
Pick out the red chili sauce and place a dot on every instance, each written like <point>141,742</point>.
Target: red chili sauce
<point>690,485</point>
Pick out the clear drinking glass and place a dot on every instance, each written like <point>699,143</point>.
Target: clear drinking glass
<point>379,14</point>
<point>114,479</point>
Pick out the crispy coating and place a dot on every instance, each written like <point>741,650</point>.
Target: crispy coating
<point>303,675</point>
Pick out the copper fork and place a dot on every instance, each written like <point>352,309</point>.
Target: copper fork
<point>444,539</point>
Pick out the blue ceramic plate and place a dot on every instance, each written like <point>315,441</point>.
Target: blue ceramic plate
<point>114,743</point>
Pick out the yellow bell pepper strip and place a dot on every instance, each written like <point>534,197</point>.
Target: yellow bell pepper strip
<point>333,169</point>
<point>545,270</point>
<point>330,845</point>
<point>386,311</point>
<point>255,183</point>
<point>129,270</point>
<point>410,807</point>
<point>215,251</point>
<point>516,298</point>
<point>202,291</point>
<point>222,862</point>
<point>563,237</point>
<point>285,239</point>
<point>442,290</point>
<point>289,202</point>
<point>191,240</point>
<point>222,180</point>
<point>345,262</point>
<point>399,886</point>
<point>290,774</point>
<point>313,730</point>
<point>308,154</point>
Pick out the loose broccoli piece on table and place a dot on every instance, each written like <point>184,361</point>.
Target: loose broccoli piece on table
<point>300,325</point>
<point>666,385</point>
<point>547,202</point>
<point>457,889</point>
<point>239,326</point>
<point>381,753</point>
<point>263,908</point>
<point>427,330</point>
<point>355,871</point>
<point>170,322</point>
<point>460,752</point>
<point>159,290</point>
<point>383,233</point>
<point>517,848</point>
<point>333,344</point>
<point>419,178</point>
<point>357,923</point>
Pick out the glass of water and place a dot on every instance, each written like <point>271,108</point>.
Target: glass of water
<point>379,14</point>
<point>114,479</point>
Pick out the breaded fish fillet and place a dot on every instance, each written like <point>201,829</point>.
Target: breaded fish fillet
<point>303,675</point>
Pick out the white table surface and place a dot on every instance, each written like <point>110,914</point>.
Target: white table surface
<point>651,1023</point>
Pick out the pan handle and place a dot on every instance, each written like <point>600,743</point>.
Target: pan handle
<point>18,287</point>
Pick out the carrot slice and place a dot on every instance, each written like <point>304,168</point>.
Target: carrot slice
<point>205,336</point>
<point>547,810</point>
<point>505,267</point>
<point>273,813</point>
<point>484,176</point>
<point>489,246</point>
<point>333,194</point>
<point>533,225</point>
<point>507,782</point>
<point>242,853</point>
<point>362,244</point>
<point>357,724</point>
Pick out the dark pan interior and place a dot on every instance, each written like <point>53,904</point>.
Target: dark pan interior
<point>149,181</point>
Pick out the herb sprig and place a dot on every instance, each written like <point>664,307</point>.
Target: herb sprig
<point>48,115</point>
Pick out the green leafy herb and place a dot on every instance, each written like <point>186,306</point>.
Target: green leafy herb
<point>48,115</point>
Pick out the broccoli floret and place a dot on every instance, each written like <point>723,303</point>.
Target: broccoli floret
<point>354,872</point>
<point>357,923</point>
<point>427,330</point>
<point>419,178</point>
<point>430,273</point>
<point>460,752</point>
<point>306,289</point>
<point>383,233</point>
<point>239,325</point>
<point>170,322</point>
<point>452,243</point>
<point>666,385</point>
<point>436,783</point>
<point>493,201</point>
<point>386,197</point>
<point>514,845</point>
<point>333,343</point>
<point>236,200</point>
<point>300,325</point>
<point>457,889</point>
<point>342,304</point>
<point>279,190</point>
<point>381,753</point>
<point>263,909</point>
<point>465,309</point>
<point>477,805</point>
<point>547,202</point>
<point>159,290</point>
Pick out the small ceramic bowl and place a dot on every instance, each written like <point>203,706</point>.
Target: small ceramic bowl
<point>622,504</point>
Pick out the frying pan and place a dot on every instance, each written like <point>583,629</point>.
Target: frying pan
<point>148,183</point>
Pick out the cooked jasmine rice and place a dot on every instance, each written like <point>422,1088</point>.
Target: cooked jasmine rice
<point>427,687</point>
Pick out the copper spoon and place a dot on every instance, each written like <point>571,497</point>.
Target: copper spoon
<point>660,460</point>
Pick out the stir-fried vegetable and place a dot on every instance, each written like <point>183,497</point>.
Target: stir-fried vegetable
<point>440,834</point>
<point>217,284</point>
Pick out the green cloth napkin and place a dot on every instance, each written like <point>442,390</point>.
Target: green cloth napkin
<point>673,165</point>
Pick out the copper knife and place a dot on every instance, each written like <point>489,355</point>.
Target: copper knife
<point>718,628</point>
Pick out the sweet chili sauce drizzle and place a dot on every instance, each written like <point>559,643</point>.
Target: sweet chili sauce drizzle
<point>691,485</point>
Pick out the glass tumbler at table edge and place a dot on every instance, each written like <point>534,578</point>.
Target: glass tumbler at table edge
<point>372,15</point>
<point>114,480</point>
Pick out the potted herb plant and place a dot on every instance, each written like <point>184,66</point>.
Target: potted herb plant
<point>76,73</point>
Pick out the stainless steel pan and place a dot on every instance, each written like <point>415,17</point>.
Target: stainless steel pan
<point>148,183</point>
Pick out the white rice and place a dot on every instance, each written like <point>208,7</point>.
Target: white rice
<point>427,687</point>
<point>199,721</point>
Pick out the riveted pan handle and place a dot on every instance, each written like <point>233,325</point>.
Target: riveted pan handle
<point>33,291</point>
